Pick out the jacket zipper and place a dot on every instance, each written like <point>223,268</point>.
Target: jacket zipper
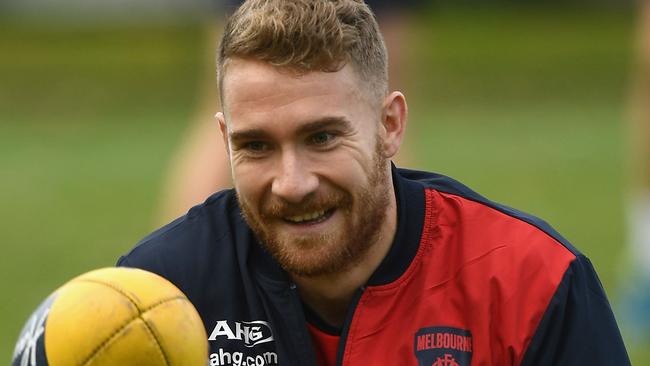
<point>305,348</point>
<point>346,325</point>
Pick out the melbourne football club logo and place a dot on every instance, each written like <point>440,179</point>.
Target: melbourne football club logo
<point>443,346</point>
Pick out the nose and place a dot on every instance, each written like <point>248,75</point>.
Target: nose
<point>294,179</point>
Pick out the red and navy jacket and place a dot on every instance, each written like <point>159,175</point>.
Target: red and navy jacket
<point>466,282</point>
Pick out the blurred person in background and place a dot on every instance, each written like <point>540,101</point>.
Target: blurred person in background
<point>636,296</point>
<point>198,167</point>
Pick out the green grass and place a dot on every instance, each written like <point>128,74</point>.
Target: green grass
<point>89,118</point>
<point>524,106</point>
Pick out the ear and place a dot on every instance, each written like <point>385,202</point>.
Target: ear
<point>224,130</point>
<point>394,117</point>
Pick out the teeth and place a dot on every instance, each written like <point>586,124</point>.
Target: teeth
<point>306,217</point>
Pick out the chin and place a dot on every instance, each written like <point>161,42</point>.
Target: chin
<point>308,260</point>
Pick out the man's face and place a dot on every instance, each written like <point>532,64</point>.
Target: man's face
<point>307,162</point>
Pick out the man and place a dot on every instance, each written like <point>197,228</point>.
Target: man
<point>636,284</point>
<point>325,253</point>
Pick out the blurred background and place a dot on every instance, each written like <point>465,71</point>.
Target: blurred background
<point>527,102</point>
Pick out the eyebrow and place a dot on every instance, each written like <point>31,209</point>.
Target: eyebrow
<point>310,127</point>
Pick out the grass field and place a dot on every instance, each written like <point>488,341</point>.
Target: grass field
<point>524,105</point>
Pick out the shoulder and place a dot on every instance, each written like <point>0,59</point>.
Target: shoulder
<point>457,206</point>
<point>210,220</point>
<point>483,252</point>
<point>211,235</point>
<point>490,246</point>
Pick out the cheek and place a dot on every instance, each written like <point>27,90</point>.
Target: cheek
<point>355,168</point>
<point>248,184</point>
<point>347,174</point>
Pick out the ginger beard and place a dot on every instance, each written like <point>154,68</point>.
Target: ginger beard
<point>364,212</point>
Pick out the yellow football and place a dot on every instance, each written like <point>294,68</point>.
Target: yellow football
<point>114,316</point>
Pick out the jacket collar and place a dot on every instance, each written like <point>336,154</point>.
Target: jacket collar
<point>410,217</point>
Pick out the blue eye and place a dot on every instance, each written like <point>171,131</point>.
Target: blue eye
<point>256,146</point>
<point>322,138</point>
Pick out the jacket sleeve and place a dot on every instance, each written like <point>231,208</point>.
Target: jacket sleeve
<point>578,326</point>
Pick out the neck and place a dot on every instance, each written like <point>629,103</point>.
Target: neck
<point>330,295</point>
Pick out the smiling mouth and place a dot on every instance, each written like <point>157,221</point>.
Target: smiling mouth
<point>310,218</point>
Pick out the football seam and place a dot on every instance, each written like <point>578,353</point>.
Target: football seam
<point>153,335</point>
<point>128,322</point>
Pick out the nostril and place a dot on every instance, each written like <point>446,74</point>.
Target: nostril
<point>294,188</point>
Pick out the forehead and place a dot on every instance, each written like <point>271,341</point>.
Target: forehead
<point>253,90</point>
